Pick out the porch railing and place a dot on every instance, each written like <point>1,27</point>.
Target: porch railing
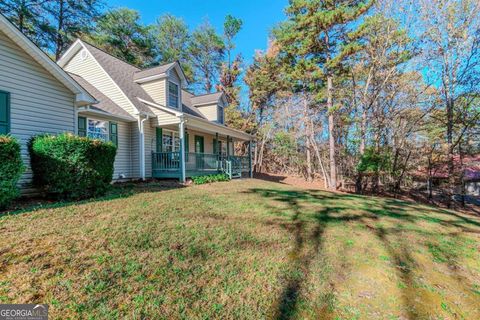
<point>203,162</point>
<point>164,163</point>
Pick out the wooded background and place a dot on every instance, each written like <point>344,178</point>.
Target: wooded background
<point>363,94</point>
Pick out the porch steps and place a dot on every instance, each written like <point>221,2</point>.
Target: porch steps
<point>236,175</point>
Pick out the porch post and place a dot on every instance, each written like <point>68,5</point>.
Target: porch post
<point>181,133</point>
<point>228,146</point>
<point>250,158</point>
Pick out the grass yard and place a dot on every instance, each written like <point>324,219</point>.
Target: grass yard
<point>246,249</point>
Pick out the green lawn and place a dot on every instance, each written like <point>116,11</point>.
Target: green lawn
<point>243,250</point>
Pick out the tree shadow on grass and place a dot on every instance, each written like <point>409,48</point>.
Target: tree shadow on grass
<point>334,211</point>
<point>300,257</point>
<point>117,191</point>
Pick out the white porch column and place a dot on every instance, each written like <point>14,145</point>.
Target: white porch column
<point>142,146</point>
<point>181,133</point>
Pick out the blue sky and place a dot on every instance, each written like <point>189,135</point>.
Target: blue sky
<point>258,16</point>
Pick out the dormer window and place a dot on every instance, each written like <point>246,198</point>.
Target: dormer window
<point>220,114</point>
<point>173,95</point>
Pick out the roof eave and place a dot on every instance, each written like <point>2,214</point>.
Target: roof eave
<point>239,134</point>
<point>151,78</point>
<point>88,110</point>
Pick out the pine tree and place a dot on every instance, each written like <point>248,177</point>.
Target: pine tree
<point>310,40</point>
<point>206,51</point>
<point>29,17</point>
<point>70,19</point>
<point>172,37</point>
<point>121,33</point>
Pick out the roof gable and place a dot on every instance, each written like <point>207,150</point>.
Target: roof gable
<point>104,104</point>
<point>118,71</point>
<point>122,74</point>
<point>210,98</point>
<point>159,72</point>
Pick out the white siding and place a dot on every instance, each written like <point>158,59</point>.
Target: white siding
<point>157,91</point>
<point>90,70</point>
<point>39,102</point>
<point>150,145</point>
<point>123,162</point>
<point>135,156</point>
<point>207,140</point>
<point>209,111</point>
<point>164,118</point>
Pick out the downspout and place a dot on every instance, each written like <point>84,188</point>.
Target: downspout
<point>182,149</point>
<point>142,147</point>
<point>75,121</point>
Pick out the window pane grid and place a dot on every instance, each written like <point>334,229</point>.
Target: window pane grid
<point>171,142</point>
<point>172,95</point>
<point>97,130</point>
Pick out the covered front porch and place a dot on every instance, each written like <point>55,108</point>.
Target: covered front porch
<point>195,147</point>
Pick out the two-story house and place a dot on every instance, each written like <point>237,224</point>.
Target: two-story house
<point>161,129</point>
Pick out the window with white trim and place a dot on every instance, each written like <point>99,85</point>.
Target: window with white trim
<point>220,114</point>
<point>97,129</point>
<point>171,141</point>
<point>173,95</point>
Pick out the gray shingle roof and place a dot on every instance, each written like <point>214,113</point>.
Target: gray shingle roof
<point>122,73</point>
<point>206,98</point>
<point>187,105</point>
<point>104,103</point>
<point>152,71</point>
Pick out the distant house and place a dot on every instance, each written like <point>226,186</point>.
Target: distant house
<point>469,166</point>
<point>161,130</point>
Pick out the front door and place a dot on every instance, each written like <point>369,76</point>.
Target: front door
<point>199,144</point>
<point>199,150</point>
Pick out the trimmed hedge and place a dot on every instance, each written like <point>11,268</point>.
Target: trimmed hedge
<point>71,167</point>
<point>11,169</point>
<point>210,178</point>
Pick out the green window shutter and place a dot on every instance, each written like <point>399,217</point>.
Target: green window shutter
<point>82,126</point>
<point>187,143</point>
<point>215,146</point>
<point>114,133</point>
<point>4,112</point>
<point>159,133</point>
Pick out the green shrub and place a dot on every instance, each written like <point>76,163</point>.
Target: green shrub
<point>11,169</point>
<point>210,178</point>
<point>373,161</point>
<point>71,167</point>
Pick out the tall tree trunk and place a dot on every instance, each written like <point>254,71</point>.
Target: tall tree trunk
<point>451,166</point>
<point>462,176</point>
<point>363,142</point>
<point>331,133</point>
<point>59,36</point>
<point>309,159</point>
<point>363,131</point>
<point>326,182</point>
